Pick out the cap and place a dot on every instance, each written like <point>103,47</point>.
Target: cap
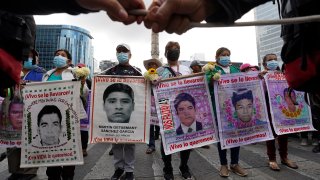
<point>124,45</point>
<point>245,66</point>
<point>146,62</point>
<point>81,65</point>
<point>196,63</point>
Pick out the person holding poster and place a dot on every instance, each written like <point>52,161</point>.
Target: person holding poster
<point>33,73</point>
<point>151,64</point>
<point>270,63</point>
<point>172,53</point>
<point>224,66</point>
<point>124,154</point>
<point>62,71</point>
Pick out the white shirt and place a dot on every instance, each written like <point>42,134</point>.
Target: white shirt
<point>186,128</point>
<point>226,69</point>
<point>184,70</point>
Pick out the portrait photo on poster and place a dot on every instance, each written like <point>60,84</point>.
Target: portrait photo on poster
<point>51,126</point>
<point>243,109</point>
<point>118,103</point>
<point>186,111</point>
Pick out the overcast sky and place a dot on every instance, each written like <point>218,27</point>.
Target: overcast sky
<point>108,34</point>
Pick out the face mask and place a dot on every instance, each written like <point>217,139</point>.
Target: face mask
<point>123,57</point>
<point>59,61</point>
<point>173,55</point>
<point>224,60</point>
<point>28,64</point>
<point>272,65</point>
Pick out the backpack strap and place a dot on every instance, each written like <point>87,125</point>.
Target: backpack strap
<point>171,71</point>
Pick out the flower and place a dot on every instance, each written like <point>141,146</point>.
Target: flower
<point>209,67</point>
<point>152,75</point>
<point>82,72</point>
<point>152,71</point>
<point>216,76</point>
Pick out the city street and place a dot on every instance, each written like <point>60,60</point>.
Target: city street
<point>203,163</point>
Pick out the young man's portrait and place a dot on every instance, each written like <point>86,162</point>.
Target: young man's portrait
<point>185,107</point>
<point>118,103</point>
<point>49,125</point>
<point>16,115</point>
<point>242,101</point>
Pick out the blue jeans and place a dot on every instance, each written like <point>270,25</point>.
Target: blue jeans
<point>223,155</point>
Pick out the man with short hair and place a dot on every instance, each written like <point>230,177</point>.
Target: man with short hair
<point>118,101</point>
<point>49,125</point>
<point>185,106</point>
<point>124,154</point>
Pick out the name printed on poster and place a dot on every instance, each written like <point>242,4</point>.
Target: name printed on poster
<point>180,82</point>
<point>117,129</point>
<point>166,115</point>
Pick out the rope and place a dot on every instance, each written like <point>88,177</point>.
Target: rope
<point>295,20</point>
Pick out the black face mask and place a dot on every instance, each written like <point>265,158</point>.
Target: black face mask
<point>173,55</point>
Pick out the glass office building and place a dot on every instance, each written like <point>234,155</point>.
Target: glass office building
<point>268,37</point>
<point>76,40</point>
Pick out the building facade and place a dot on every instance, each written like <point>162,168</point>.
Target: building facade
<point>106,64</point>
<point>76,40</point>
<point>268,37</point>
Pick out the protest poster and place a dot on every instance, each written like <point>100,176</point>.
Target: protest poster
<point>85,123</point>
<point>241,110</point>
<point>120,110</point>
<point>51,125</point>
<point>11,117</point>
<point>153,114</point>
<point>185,113</point>
<point>289,111</point>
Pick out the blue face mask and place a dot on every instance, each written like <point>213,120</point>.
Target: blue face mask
<point>123,57</point>
<point>224,60</point>
<point>59,61</point>
<point>28,64</point>
<point>272,65</point>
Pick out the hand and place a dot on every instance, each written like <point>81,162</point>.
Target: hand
<point>117,10</point>
<point>262,73</point>
<point>175,16</point>
<point>156,81</point>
